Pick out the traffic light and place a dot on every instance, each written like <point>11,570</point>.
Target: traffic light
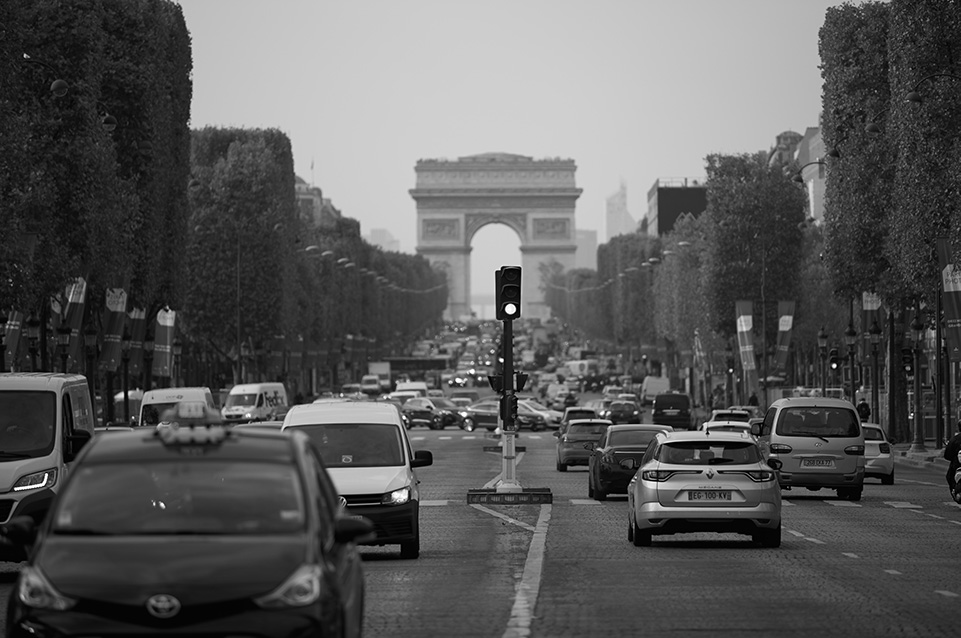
<point>509,410</point>
<point>730,365</point>
<point>834,359</point>
<point>907,360</point>
<point>507,286</point>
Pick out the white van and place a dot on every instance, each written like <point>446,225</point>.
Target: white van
<point>248,402</point>
<point>155,403</point>
<point>652,386</point>
<point>45,419</point>
<point>366,451</point>
<point>420,387</point>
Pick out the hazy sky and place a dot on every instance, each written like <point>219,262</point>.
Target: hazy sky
<point>632,91</point>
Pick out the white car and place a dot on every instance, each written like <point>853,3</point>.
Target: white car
<point>726,426</point>
<point>878,460</point>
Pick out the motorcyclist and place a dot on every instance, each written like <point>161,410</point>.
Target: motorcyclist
<point>951,454</point>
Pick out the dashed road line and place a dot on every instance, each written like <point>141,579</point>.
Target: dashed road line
<point>935,516</point>
<point>584,501</point>
<point>946,593</point>
<point>850,555</point>
<point>893,572</point>
<point>794,533</point>
<point>843,504</point>
<point>436,503</point>
<point>903,504</point>
<point>445,438</point>
<point>814,540</point>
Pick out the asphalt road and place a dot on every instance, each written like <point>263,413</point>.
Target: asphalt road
<point>889,565</point>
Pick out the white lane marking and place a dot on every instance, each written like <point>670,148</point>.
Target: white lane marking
<point>418,438</point>
<point>437,503</point>
<point>584,501</point>
<point>936,516</point>
<point>469,437</point>
<point>504,517</point>
<point>946,593</point>
<point>893,572</point>
<point>534,436</point>
<point>798,534</point>
<point>814,540</point>
<point>843,504</point>
<point>850,555</point>
<point>955,522</point>
<point>952,504</point>
<point>525,599</point>
<point>494,481</point>
<point>445,438</point>
<point>902,504</point>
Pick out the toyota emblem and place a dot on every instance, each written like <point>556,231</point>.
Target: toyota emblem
<point>163,606</point>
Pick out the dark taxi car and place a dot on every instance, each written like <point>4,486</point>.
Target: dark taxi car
<point>192,530</point>
<point>673,409</point>
<point>618,454</point>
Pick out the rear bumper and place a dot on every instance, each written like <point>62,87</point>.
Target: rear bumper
<point>880,466</point>
<point>569,456</point>
<point>677,520</point>
<point>818,479</point>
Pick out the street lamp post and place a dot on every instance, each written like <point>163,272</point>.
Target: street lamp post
<point>178,348</point>
<point>63,346</point>
<point>823,352</point>
<point>3,334</point>
<point>90,345</point>
<point>875,375</point>
<point>33,338</point>
<point>125,362</point>
<point>851,339</point>
<point>917,337</point>
<point>148,344</point>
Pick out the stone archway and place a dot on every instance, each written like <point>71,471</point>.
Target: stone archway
<point>535,198</point>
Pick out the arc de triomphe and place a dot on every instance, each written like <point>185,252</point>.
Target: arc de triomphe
<point>535,198</point>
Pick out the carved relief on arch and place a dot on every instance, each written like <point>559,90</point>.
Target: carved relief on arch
<point>473,222</point>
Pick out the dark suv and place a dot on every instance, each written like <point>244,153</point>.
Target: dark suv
<point>673,409</point>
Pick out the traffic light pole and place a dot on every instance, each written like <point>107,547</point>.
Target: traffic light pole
<point>508,482</point>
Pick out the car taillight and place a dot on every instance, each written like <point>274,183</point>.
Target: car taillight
<point>761,476</point>
<point>854,450</point>
<point>885,448</point>
<point>663,475</point>
<point>780,448</point>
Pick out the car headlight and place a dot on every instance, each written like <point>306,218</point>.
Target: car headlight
<point>34,590</point>
<point>463,414</point>
<point>397,497</point>
<point>36,481</point>
<point>301,589</point>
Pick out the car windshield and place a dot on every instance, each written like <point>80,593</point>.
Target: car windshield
<point>240,400</point>
<point>708,453</point>
<point>152,412</point>
<point>631,437</point>
<point>357,444</point>
<point>873,434</point>
<point>585,429</point>
<point>182,497</point>
<point>818,422</point>
<point>27,420</point>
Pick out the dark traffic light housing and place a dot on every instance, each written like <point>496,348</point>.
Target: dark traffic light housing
<point>907,360</point>
<point>834,359</point>
<point>509,411</point>
<point>507,288</point>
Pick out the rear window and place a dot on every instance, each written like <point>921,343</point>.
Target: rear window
<point>873,434</point>
<point>631,437</point>
<point>356,444</point>
<point>587,428</point>
<point>818,422</point>
<point>708,453</point>
<point>672,402</point>
<point>623,406</point>
<point>581,414</point>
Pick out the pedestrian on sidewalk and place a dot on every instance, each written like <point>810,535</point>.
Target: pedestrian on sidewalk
<point>951,455</point>
<point>864,410</point>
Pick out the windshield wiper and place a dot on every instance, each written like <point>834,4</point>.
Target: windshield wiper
<point>811,434</point>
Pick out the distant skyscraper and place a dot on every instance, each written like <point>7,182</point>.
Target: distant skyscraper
<point>382,237</point>
<point>619,220</point>
<point>586,255</point>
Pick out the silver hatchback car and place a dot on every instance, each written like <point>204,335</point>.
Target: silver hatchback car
<point>694,481</point>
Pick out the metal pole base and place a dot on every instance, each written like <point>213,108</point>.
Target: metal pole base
<point>917,446</point>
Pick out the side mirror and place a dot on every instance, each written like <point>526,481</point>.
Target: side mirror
<point>353,529</point>
<point>775,464</point>
<point>628,464</point>
<point>755,429</point>
<point>21,530</point>
<point>75,443</point>
<point>422,458</point>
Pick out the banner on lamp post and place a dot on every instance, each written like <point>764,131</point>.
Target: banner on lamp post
<point>745,342</point>
<point>138,330</point>
<point>11,331</point>
<point>163,343</point>
<point>113,321</point>
<point>951,299</point>
<point>785,326</point>
<point>76,297</point>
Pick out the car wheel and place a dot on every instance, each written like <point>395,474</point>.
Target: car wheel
<point>642,538</point>
<point>411,548</point>
<point>469,424</point>
<point>768,537</point>
<point>855,494</point>
<point>561,467</point>
<point>590,486</point>
<point>889,479</point>
<point>630,526</point>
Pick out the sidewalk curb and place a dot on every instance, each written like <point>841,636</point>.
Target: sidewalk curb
<point>931,458</point>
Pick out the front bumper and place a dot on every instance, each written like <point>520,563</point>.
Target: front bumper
<point>392,523</point>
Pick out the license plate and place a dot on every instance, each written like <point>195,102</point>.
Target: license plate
<point>709,495</point>
<point>817,462</point>
<point>671,412</point>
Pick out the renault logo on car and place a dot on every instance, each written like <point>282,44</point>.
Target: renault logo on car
<point>163,606</point>
<point>710,474</point>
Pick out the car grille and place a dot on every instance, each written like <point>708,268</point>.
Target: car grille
<point>392,529</point>
<point>359,500</point>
